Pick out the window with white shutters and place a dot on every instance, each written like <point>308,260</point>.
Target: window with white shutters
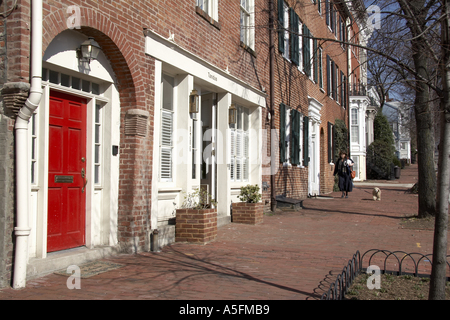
<point>240,144</point>
<point>355,126</point>
<point>167,127</point>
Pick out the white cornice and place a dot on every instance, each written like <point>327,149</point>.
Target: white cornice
<point>169,52</point>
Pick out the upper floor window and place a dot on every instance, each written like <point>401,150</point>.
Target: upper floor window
<point>210,7</point>
<point>247,23</point>
<point>354,126</point>
<point>286,30</point>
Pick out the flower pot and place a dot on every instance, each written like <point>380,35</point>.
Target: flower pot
<point>196,225</point>
<point>248,213</point>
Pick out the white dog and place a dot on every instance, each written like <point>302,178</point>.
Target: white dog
<point>376,193</point>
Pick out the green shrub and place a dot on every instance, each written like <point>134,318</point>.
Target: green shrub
<point>340,138</point>
<point>250,194</point>
<point>379,155</point>
<point>382,130</point>
<point>396,161</point>
<point>198,199</point>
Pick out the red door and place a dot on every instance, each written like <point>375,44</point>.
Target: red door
<point>67,172</point>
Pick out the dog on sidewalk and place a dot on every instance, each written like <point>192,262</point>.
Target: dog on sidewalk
<point>376,193</point>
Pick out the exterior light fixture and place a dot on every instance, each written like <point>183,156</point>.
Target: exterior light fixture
<point>232,114</point>
<point>88,50</point>
<point>194,102</point>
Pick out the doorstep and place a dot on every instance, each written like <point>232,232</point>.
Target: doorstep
<point>37,268</point>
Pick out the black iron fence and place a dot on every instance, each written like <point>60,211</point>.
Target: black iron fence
<point>396,263</point>
<point>358,90</point>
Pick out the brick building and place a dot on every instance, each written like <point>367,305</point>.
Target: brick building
<point>116,142</point>
<point>311,75</point>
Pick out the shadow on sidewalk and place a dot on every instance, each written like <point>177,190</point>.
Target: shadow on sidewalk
<point>353,213</point>
<point>184,268</point>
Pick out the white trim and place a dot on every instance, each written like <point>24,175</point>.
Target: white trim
<point>173,54</point>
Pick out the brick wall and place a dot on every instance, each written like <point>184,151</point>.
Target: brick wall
<point>293,87</point>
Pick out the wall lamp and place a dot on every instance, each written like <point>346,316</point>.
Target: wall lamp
<point>88,50</point>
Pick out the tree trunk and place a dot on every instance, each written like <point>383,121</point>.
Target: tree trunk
<point>438,272</point>
<point>416,22</point>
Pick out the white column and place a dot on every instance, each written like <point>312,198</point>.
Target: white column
<point>156,138</point>
<point>183,156</point>
<point>222,153</point>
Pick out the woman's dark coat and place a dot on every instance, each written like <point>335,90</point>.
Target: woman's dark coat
<point>344,173</point>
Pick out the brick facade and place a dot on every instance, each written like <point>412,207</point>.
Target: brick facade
<point>118,27</point>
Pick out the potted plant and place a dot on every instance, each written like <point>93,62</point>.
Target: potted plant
<point>250,210</point>
<point>196,220</point>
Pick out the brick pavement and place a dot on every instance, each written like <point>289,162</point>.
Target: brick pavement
<point>286,257</point>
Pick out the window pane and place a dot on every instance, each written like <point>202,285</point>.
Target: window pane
<point>239,118</point>
<point>97,174</point>
<point>33,178</point>
<point>242,27</point>
<point>54,77</point>
<point>97,133</point>
<point>65,80</point>
<point>95,88</point>
<point>168,84</point>
<point>44,74</point>
<point>97,154</point>
<point>97,113</point>
<point>33,124</point>
<point>86,86</point>
<point>33,148</point>
<point>246,119</point>
<point>355,134</point>
<point>76,83</point>
<point>354,116</point>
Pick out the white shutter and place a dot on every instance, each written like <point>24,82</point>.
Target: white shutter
<point>166,128</point>
<point>246,157</point>
<point>166,145</point>
<point>233,155</point>
<point>238,155</point>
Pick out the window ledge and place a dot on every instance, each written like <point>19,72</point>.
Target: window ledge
<point>287,165</point>
<point>248,49</point>
<point>206,16</point>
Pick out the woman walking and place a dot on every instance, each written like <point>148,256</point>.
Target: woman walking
<point>343,169</point>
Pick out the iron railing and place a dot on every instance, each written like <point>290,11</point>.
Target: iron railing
<point>358,90</point>
<point>395,263</point>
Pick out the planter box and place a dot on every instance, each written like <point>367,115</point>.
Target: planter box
<point>198,226</point>
<point>248,213</point>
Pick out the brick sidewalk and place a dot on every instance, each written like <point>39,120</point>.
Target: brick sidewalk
<point>285,257</point>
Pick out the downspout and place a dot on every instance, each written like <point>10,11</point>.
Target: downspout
<point>22,229</point>
<point>347,89</point>
<point>273,202</point>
